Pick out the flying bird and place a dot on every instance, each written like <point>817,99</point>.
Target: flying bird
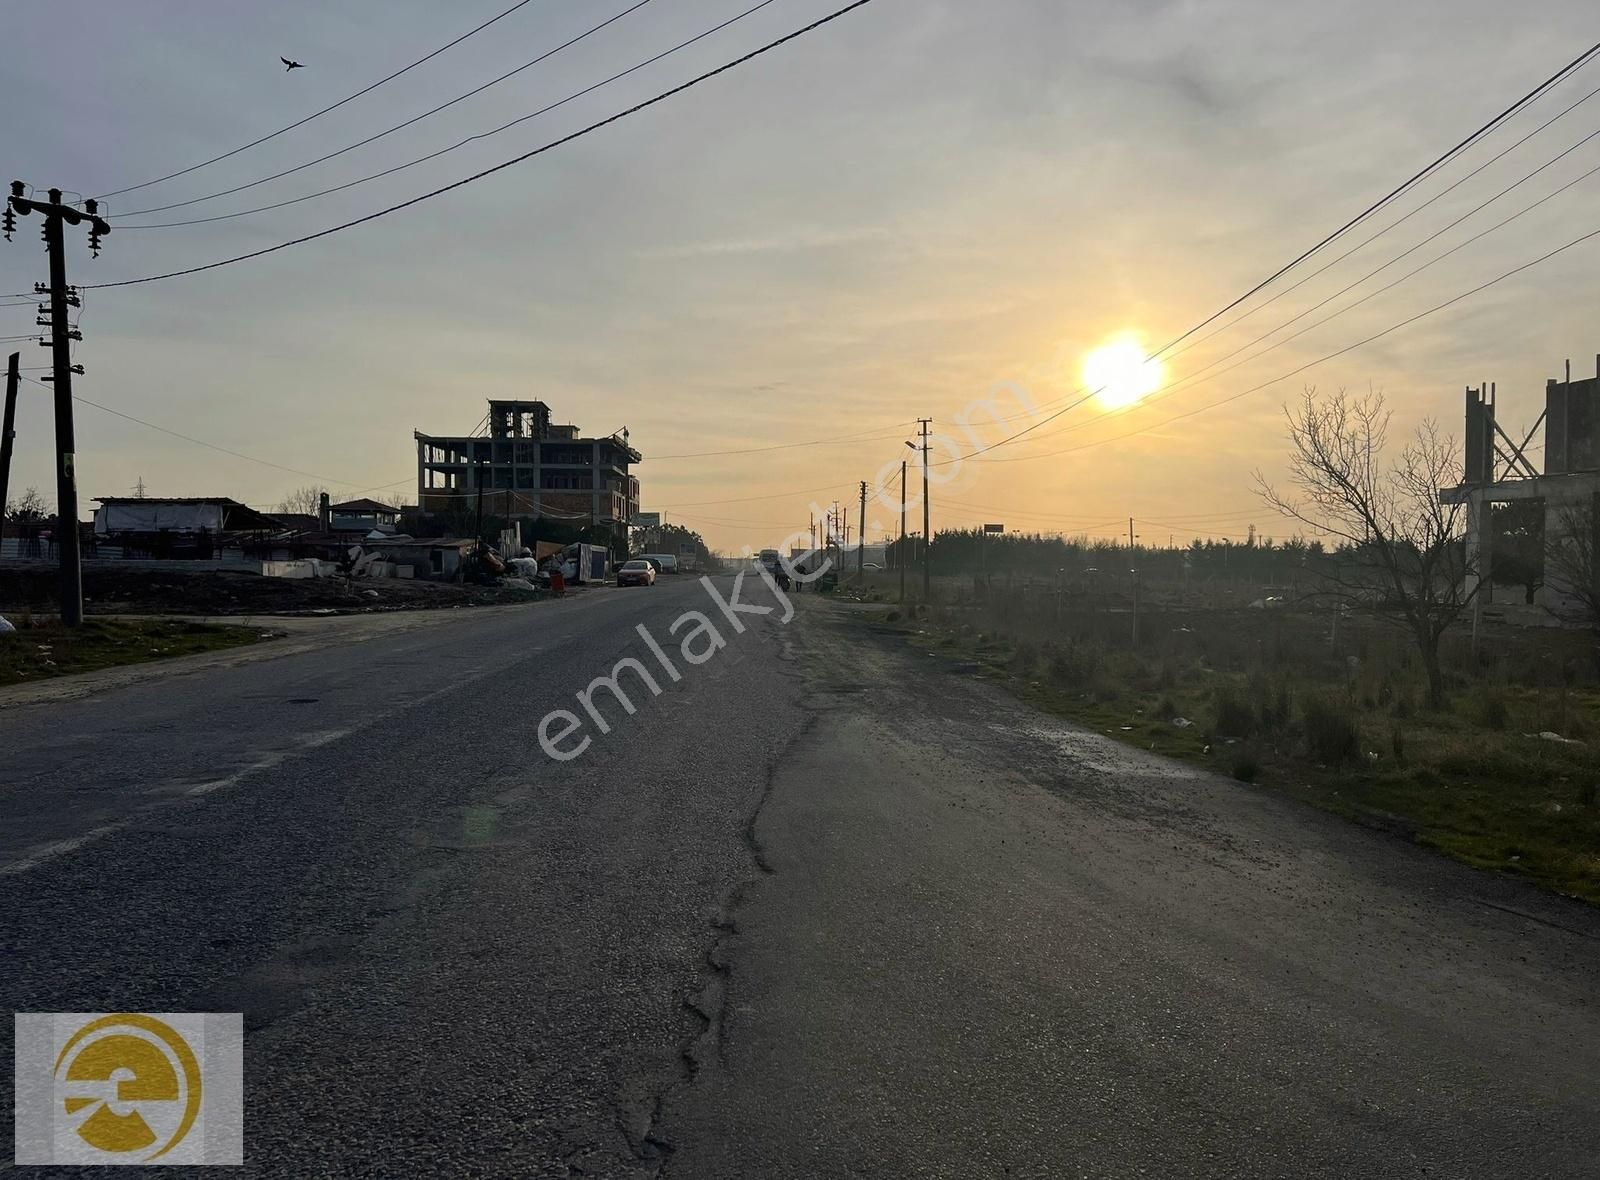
<point>290,65</point>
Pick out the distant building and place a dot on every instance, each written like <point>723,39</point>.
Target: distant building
<point>529,466</point>
<point>1498,470</point>
<point>192,527</point>
<point>362,516</point>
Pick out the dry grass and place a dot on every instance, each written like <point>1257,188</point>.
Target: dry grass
<point>42,647</point>
<point>1272,697</point>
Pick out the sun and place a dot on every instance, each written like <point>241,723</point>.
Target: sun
<point>1119,373</point>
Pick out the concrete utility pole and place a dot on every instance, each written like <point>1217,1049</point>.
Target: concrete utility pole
<point>62,334</point>
<point>8,429</point>
<point>1133,568</point>
<point>927,536</point>
<point>861,539</point>
<point>902,550</point>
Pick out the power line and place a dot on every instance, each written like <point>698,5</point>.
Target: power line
<point>833,487</point>
<point>555,143</point>
<point>1365,242</point>
<point>1320,360</point>
<point>323,111</point>
<point>638,4</point>
<point>1416,178</point>
<point>1576,63</point>
<point>1190,379</point>
<point>866,436</point>
<point>197,441</point>
<point>337,188</point>
<point>1195,376</point>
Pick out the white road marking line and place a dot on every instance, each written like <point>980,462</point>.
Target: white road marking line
<point>43,852</point>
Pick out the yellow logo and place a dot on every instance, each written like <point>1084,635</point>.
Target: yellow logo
<point>129,1083</point>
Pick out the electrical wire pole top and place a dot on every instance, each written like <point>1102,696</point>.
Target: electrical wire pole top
<point>56,214</point>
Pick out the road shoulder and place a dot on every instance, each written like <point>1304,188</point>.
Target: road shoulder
<point>996,944</point>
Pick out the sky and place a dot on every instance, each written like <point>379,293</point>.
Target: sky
<point>919,206</point>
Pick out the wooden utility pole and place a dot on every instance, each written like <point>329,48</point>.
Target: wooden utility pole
<point>902,552</point>
<point>8,430</point>
<point>927,536</point>
<point>861,537</point>
<point>56,215</point>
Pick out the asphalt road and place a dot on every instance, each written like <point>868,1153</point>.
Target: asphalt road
<point>825,907</point>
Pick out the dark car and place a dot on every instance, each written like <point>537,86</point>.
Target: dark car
<point>636,573</point>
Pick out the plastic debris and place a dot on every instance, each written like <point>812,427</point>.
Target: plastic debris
<point>1551,736</point>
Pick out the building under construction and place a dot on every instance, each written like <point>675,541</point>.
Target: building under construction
<point>526,467</point>
<point>1498,470</point>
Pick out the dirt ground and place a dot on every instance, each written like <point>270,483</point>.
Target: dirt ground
<point>214,592</point>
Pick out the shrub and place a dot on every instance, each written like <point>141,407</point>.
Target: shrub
<point>1493,712</point>
<point>1331,734</point>
<point>1275,709</point>
<point>1233,718</point>
<point>1245,766</point>
<point>1074,665</point>
<point>893,616</point>
<point>1165,709</point>
<point>1025,656</point>
<point>1397,745</point>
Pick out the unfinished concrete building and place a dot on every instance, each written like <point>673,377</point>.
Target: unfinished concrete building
<point>527,467</point>
<point>1497,470</point>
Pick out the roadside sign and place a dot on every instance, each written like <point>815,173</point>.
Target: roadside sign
<point>994,528</point>
<point>647,520</point>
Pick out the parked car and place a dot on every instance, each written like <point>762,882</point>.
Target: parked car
<point>637,572</point>
<point>667,563</point>
<point>655,562</point>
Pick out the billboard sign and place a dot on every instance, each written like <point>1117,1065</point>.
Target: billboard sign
<point>647,520</point>
<point>994,528</point>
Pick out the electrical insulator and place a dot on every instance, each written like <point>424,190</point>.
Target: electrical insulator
<point>9,220</point>
<point>94,242</point>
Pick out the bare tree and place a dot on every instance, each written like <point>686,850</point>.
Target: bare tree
<point>29,508</point>
<point>306,501</point>
<point>1405,554</point>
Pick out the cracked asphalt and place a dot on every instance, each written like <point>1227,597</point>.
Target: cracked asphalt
<point>455,956</point>
<point>825,907</point>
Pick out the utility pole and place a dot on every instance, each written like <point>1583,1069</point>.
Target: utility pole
<point>902,552</point>
<point>477,527</point>
<point>861,539</point>
<point>56,215</point>
<point>8,430</point>
<point>1133,568</point>
<point>927,536</point>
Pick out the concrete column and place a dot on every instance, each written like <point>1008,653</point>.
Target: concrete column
<point>1479,546</point>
